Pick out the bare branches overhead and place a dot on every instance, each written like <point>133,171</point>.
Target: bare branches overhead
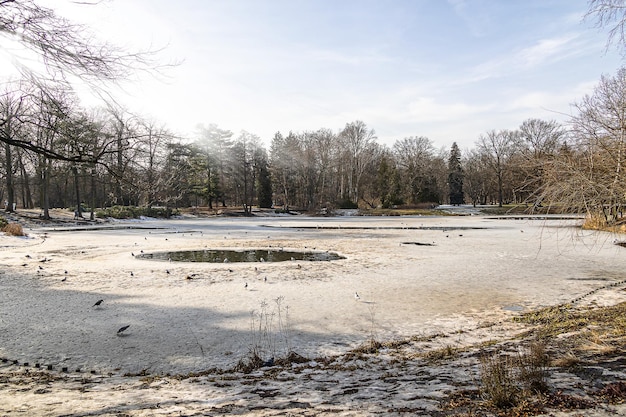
<point>65,48</point>
<point>610,14</point>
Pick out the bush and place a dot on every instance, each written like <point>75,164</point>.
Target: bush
<point>509,380</point>
<point>498,380</point>
<point>533,366</point>
<point>13,229</point>
<point>347,204</point>
<point>129,212</point>
<point>3,222</point>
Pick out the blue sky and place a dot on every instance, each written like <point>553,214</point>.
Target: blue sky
<point>449,70</point>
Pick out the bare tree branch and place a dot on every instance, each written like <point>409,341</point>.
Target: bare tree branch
<point>610,13</point>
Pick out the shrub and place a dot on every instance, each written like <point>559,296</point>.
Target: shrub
<point>508,380</point>
<point>498,380</point>
<point>533,368</point>
<point>129,212</point>
<point>13,229</point>
<point>3,222</point>
<point>347,204</point>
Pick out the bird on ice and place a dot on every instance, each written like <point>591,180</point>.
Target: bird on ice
<point>356,296</point>
<point>122,329</point>
<point>246,286</point>
<point>98,303</point>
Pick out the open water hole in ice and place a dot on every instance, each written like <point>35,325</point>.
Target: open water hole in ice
<point>250,255</point>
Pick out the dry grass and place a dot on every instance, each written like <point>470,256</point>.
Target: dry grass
<point>511,381</point>
<point>497,379</point>
<point>533,368</point>
<point>14,229</point>
<point>568,360</point>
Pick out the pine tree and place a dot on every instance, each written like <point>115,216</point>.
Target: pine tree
<point>264,182</point>
<point>455,176</point>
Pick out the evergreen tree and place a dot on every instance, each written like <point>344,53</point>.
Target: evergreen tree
<point>388,183</point>
<point>455,176</point>
<point>264,181</point>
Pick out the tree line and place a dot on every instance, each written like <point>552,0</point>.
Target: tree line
<point>60,154</point>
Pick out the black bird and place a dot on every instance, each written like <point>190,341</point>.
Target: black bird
<point>246,286</point>
<point>167,271</point>
<point>64,279</point>
<point>122,329</point>
<point>98,303</point>
<point>131,274</point>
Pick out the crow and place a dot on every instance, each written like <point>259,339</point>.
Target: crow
<point>98,303</point>
<point>122,329</point>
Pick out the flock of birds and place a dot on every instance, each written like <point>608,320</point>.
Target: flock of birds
<point>121,331</point>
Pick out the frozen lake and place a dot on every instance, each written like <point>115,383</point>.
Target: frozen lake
<point>414,276</point>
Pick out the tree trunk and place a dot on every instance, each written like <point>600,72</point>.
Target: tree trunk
<point>9,179</point>
<point>78,213</point>
<point>45,192</point>
<point>27,199</point>
<point>92,214</point>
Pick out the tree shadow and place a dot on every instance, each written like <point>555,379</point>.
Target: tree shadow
<point>54,325</point>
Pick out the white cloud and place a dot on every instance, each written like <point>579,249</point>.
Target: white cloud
<point>548,50</point>
<point>541,53</point>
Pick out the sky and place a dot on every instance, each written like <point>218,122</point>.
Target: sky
<point>449,70</point>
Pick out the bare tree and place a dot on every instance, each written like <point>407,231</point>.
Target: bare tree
<point>413,155</point>
<point>498,147</point>
<point>360,151</point>
<point>284,156</point>
<point>539,143</point>
<point>13,106</point>
<point>244,174</point>
<point>324,142</point>
<point>590,177</point>
<point>152,144</point>
<point>477,180</point>
<point>65,50</point>
<point>612,14</point>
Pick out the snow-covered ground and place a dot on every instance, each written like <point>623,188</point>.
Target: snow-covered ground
<point>413,275</point>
